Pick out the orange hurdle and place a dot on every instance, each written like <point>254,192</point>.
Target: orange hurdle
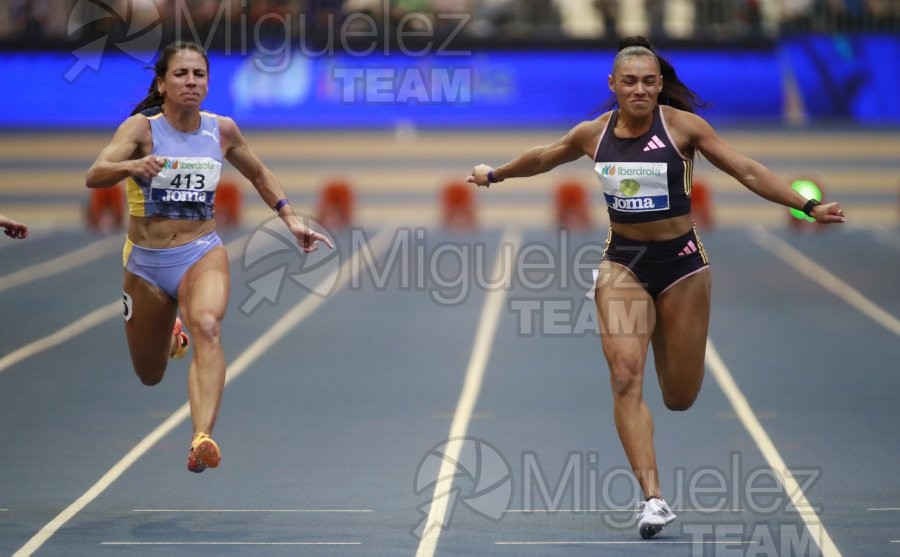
<point>458,205</point>
<point>106,209</point>
<point>573,206</point>
<point>701,204</point>
<point>335,209</point>
<point>228,204</point>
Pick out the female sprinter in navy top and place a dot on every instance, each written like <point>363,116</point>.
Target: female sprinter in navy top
<point>170,152</point>
<point>643,152</point>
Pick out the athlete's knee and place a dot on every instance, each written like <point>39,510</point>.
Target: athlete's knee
<point>206,326</point>
<point>679,400</point>
<point>150,381</point>
<point>679,403</point>
<point>149,366</point>
<point>679,392</point>
<point>150,377</point>
<point>624,374</point>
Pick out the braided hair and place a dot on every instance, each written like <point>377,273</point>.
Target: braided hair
<point>154,98</point>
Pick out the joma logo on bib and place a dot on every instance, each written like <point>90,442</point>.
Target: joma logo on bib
<point>634,204</point>
<point>183,195</point>
<point>634,187</point>
<point>186,180</point>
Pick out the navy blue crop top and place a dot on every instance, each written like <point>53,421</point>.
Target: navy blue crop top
<point>645,178</point>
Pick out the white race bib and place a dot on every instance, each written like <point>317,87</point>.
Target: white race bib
<point>634,187</point>
<point>186,180</point>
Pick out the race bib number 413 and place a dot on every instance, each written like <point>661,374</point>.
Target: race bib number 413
<point>186,180</point>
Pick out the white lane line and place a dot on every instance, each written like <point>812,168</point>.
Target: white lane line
<point>481,349</point>
<point>554,511</point>
<point>883,509</point>
<point>622,510</point>
<point>230,543</point>
<point>751,423</point>
<point>260,346</point>
<point>82,324</point>
<point>818,274</point>
<point>644,543</point>
<point>62,263</point>
<point>252,510</point>
<point>71,330</point>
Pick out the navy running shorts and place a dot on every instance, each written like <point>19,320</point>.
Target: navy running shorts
<point>661,265</point>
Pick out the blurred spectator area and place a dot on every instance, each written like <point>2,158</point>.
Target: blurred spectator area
<point>41,22</point>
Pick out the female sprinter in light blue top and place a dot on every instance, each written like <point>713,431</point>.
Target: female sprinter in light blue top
<point>654,262</point>
<point>170,152</point>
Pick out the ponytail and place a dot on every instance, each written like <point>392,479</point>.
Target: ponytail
<point>152,100</point>
<point>674,92</point>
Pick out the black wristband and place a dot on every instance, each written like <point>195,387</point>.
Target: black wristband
<point>807,209</point>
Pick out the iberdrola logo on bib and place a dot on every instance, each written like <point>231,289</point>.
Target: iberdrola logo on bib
<point>634,187</point>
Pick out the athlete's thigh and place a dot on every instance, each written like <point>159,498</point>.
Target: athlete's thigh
<point>203,291</point>
<point>679,340</point>
<point>149,317</point>
<point>626,314</point>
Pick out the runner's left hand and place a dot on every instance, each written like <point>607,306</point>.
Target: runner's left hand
<point>828,213</point>
<point>308,239</point>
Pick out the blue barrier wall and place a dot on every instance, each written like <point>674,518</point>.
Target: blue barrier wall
<point>847,77</point>
<point>480,90</point>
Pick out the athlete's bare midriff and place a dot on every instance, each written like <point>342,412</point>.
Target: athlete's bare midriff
<point>161,232</point>
<point>655,231</point>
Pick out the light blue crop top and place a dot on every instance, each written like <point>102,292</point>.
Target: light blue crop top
<point>186,186</point>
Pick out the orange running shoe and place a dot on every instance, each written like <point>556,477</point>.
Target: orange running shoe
<point>204,453</point>
<point>182,341</point>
